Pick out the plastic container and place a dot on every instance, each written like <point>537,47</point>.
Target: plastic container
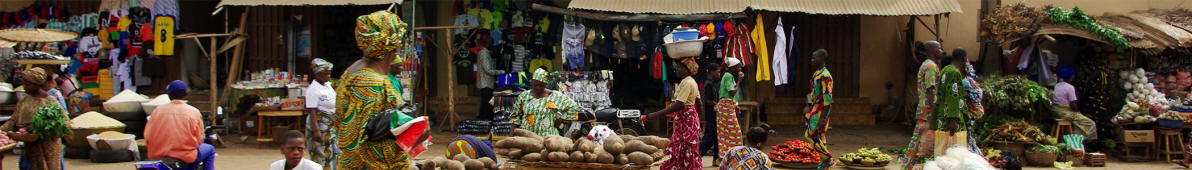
<point>683,49</point>
<point>1174,124</point>
<point>685,35</point>
<point>112,144</point>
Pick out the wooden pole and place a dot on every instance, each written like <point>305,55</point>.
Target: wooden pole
<point>235,67</point>
<point>214,101</point>
<point>450,118</point>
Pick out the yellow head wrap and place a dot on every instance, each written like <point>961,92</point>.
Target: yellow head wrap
<point>381,33</point>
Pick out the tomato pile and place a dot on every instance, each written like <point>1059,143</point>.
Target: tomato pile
<point>795,151</point>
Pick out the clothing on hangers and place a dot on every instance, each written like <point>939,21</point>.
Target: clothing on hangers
<point>779,64</point>
<point>573,44</point>
<point>763,57</point>
<point>792,46</point>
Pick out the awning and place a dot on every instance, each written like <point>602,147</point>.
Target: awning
<point>860,7</point>
<point>303,2</point>
<point>679,7</point>
<point>830,7</point>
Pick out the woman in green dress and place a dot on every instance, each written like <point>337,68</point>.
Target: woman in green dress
<point>365,90</point>
<point>539,109</point>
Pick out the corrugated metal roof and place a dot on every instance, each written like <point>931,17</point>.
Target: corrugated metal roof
<point>860,7</point>
<point>831,7</point>
<point>662,6</point>
<point>303,2</point>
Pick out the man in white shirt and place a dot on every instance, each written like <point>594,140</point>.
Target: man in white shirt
<point>294,148</point>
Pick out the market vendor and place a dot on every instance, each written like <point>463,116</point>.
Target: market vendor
<point>320,111</point>
<point>176,131</point>
<point>683,147</point>
<point>1066,107</point>
<point>728,129</point>
<point>972,94</point>
<point>922,138</point>
<point>39,153</point>
<point>749,156</point>
<point>539,109</point>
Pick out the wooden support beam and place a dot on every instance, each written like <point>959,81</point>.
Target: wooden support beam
<point>234,67</point>
<point>933,31</point>
<point>634,17</point>
<point>212,82</point>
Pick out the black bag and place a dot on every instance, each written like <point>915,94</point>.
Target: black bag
<point>377,127</point>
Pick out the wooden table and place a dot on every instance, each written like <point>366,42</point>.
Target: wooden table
<point>261,115</point>
<point>747,110</point>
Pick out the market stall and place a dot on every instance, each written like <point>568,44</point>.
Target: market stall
<point>1127,71</point>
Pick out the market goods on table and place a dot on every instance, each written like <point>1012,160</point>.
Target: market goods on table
<point>1140,112</point>
<point>866,157</point>
<point>1141,90</point>
<point>1019,132</point>
<point>532,150</point>
<point>87,124</point>
<point>125,101</point>
<point>795,151</point>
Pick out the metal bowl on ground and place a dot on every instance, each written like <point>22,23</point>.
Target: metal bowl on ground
<point>7,97</point>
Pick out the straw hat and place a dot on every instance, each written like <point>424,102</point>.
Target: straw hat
<point>36,35</point>
<point>15,5</point>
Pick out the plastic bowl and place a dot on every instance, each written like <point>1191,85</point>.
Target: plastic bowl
<point>685,35</point>
<point>112,144</point>
<point>683,49</point>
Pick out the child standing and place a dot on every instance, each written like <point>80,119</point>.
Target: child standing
<point>294,148</point>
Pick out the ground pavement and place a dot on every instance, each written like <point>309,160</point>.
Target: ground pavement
<point>844,139</point>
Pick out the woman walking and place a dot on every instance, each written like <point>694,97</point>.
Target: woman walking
<point>684,147</point>
<point>320,106</point>
<point>728,129</point>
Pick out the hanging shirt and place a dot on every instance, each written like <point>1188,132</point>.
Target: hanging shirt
<point>792,50</point>
<point>759,43</point>
<point>573,44</point>
<point>465,20</point>
<point>779,65</point>
<point>166,8</point>
<point>164,30</point>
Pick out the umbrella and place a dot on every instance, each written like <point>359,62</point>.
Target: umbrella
<point>36,35</point>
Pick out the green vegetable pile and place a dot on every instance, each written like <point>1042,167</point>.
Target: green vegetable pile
<point>1014,92</point>
<point>1045,148</point>
<point>49,122</point>
<point>1077,19</point>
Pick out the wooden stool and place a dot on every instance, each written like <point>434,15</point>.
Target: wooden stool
<point>1170,147</point>
<point>1061,125</point>
<point>1139,151</point>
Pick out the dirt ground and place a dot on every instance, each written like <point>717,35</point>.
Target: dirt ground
<point>246,155</point>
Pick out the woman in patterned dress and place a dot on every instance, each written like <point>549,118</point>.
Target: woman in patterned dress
<point>728,129</point>
<point>819,108</point>
<point>539,109</point>
<point>366,90</point>
<point>922,138</point>
<point>320,104</point>
<point>40,153</point>
<point>749,156</point>
<point>684,145</point>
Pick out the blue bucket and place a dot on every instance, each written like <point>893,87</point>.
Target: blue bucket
<point>685,35</point>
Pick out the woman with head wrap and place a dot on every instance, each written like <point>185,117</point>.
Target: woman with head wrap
<point>539,109</point>
<point>40,153</point>
<point>1065,105</point>
<point>728,129</point>
<point>320,108</point>
<point>367,91</point>
<point>749,156</point>
<point>684,147</point>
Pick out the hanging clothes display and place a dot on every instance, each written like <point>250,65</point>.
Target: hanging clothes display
<point>573,44</point>
<point>740,45</point>
<point>763,57</point>
<point>163,28</point>
<point>792,52</point>
<point>779,64</point>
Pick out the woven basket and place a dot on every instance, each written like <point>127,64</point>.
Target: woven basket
<point>1074,158</point>
<point>78,137</point>
<point>1015,147</point>
<point>36,35</point>
<point>1040,158</point>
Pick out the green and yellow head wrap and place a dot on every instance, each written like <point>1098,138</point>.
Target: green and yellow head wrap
<point>541,75</point>
<point>381,33</point>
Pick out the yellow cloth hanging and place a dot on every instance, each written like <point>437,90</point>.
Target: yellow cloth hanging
<point>759,44</point>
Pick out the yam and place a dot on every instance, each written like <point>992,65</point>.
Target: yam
<point>639,146</point>
<point>628,138</point>
<point>501,151</point>
<point>429,164</point>
<point>657,155</point>
<point>523,143</point>
<point>532,157</point>
<point>440,162</point>
<point>559,144</point>
<point>577,156</point>
<point>454,165</point>
<point>622,159</point>
<point>460,157</point>
<point>558,157</point>
<point>515,154</point>
<point>473,164</point>
<point>585,145</point>
<point>526,133</point>
<point>656,141</point>
<point>614,144</point>
<point>640,158</point>
<point>605,158</point>
<point>488,162</point>
<point>590,157</point>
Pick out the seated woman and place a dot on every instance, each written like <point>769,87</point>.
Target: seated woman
<point>539,109</point>
<point>751,155</point>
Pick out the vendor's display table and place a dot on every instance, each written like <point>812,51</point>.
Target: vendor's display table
<point>747,110</point>
<point>262,116</point>
<point>236,94</point>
